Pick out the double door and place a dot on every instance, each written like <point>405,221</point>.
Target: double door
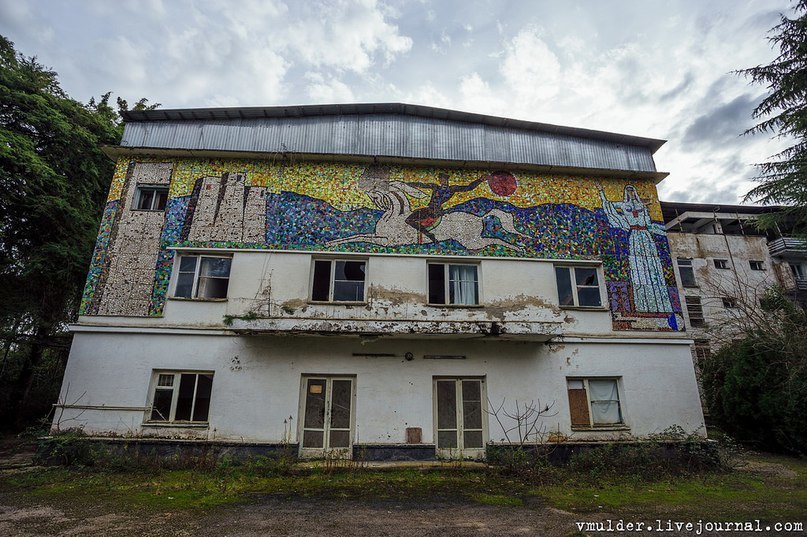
<point>328,417</point>
<point>460,422</point>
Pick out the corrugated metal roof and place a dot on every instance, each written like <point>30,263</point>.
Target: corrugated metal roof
<point>388,130</point>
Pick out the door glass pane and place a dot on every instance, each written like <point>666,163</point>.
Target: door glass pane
<point>339,439</point>
<point>447,439</point>
<point>340,404</point>
<point>187,385</point>
<point>471,405</point>
<point>447,405</point>
<point>315,406</point>
<point>312,439</point>
<point>472,439</point>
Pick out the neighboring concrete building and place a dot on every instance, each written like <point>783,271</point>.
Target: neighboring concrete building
<point>378,279</point>
<point>724,265</point>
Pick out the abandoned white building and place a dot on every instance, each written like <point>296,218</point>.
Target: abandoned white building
<point>378,279</point>
<point>724,265</point>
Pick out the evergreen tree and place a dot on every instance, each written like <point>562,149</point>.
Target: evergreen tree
<point>783,113</point>
<point>54,180</point>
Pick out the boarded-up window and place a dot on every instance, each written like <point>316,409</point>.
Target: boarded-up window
<point>695,310</point>
<point>578,404</point>
<point>594,402</point>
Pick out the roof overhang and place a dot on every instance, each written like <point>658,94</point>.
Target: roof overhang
<point>115,152</point>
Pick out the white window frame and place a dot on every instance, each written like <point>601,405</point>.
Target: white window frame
<point>197,275</point>
<point>447,284</point>
<point>756,265</point>
<point>177,379</point>
<point>573,280</point>
<point>152,188</point>
<point>620,403</point>
<point>332,279</point>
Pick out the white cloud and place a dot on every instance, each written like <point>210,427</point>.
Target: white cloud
<point>530,68</point>
<point>327,90</point>
<point>346,35</point>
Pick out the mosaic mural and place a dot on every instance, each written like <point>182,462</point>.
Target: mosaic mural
<point>440,211</point>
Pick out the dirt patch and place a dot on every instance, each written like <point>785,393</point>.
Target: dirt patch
<point>291,517</point>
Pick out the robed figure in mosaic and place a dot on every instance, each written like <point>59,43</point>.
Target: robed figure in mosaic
<point>649,287</point>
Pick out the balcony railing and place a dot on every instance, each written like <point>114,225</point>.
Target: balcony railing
<point>788,246</point>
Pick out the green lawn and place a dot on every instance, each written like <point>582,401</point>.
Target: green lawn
<point>763,487</point>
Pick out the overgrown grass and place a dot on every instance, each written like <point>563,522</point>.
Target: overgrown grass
<point>772,488</point>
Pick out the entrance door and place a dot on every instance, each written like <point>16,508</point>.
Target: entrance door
<point>459,420</point>
<point>327,424</point>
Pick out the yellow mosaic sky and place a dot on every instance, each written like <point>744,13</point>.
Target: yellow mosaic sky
<point>338,183</point>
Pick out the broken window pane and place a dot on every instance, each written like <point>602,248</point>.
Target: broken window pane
<point>348,282</point>
<point>161,407</point>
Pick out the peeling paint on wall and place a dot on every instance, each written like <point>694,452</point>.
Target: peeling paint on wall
<point>389,209</point>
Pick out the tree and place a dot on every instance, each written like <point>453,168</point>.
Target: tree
<point>756,387</point>
<point>783,113</point>
<point>54,180</point>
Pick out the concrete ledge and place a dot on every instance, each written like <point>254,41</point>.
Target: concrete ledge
<point>54,450</point>
<point>394,452</point>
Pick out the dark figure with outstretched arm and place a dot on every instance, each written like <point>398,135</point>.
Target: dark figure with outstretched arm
<point>426,218</point>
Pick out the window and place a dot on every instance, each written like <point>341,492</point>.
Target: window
<point>338,280</point>
<point>594,402</point>
<point>578,286</point>
<point>203,277</point>
<point>721,263</point>
<point>702,351</point>
<point>181,397</point>
<point>695,310</point>
<point>757,265</point>
<point>453,284</point>
<point>686,271</point>
<point>729,302</point>
<point>151,197</point>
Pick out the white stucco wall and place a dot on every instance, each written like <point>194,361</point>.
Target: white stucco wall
<point>277,285</point>
<point>257,381</point>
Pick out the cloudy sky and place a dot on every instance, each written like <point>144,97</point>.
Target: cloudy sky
<point>660,69</point>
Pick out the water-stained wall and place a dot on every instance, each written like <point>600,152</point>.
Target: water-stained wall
<point>319,206</point>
